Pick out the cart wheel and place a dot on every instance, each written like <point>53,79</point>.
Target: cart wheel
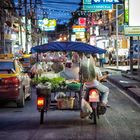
<point>42,116</point>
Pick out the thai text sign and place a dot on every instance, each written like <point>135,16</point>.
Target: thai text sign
<point>78,28</point>
<point>132,31</point>
<point>106,1</point>
<point>97,7</point>
<point>87,1</point>
<point>126,17</point>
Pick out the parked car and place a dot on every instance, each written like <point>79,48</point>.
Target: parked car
<point>14,82</point>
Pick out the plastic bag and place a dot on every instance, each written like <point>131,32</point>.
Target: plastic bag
<point>86,109</point>
<point>87,69</point>
<point>36,69</point>
<point>60,95</point>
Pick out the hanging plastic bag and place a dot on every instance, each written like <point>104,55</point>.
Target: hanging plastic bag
<point>59,95</point>
<point>86,109</point>
<point>36,69</point>
<point>87,69</point>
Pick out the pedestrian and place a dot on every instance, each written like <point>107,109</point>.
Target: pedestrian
<point>101,60</point>
<point>110,58</point>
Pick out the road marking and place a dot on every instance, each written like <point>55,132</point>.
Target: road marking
<point>133,100</point>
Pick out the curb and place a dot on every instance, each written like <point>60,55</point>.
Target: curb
<point>134,93</point>
<point>133,90</point>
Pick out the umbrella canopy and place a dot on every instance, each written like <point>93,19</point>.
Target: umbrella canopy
<point>67,46</point>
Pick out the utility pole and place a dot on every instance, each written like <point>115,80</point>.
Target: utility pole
<point>138,56</point>
<point>20,28</point>
<point>117,58</point>
<point>26,23</point>
<point>131,55</point>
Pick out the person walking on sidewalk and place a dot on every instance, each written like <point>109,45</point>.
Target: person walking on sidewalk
<point>101,60</point>
<point>110,58</point>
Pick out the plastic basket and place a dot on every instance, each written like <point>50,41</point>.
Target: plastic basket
<point>43,91</point>
<point>65,103</point>
<point>74,86</point>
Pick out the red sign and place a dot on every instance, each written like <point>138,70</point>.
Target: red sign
<point>82,21</point>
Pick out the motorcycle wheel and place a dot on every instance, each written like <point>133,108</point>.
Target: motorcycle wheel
<point>42,116</point>
<point>94,116</point>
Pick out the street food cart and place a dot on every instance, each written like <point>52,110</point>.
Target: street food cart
<point>68,101</point>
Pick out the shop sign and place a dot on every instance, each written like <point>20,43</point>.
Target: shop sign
<point>106,1</point>
<point>136,45</point>
<point>79,30</point>
<point>47,24</point>
<point>96,7</point>
<point>7,36</point>
<point>87,1</point>
<point>82,21</point>
<point>131,31</point>
<point>78,26</point>
<point>126,15</point>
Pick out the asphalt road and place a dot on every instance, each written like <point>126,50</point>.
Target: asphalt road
<point>121,122</point>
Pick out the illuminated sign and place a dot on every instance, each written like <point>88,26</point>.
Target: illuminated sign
<point>82,21</point>
<point>132,31</point>
<point>97,7</point>
<point>126,16</point>
<point>106,2</point>
<point>78,28</point>
<point>87,1</point>
<point>47,24</point>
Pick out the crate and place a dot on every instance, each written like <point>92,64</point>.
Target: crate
<point>65,103</point>
<point>43,92</point>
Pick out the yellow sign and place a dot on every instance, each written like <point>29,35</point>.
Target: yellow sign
<point>124,44</point>
<point>78,26</point>
<point>132,31</point>
<point>4,56</point>
<point>49,22</point>
<point>7,36</point>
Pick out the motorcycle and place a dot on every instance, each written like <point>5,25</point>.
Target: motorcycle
<point>93,97</point>
<point>43,102</point>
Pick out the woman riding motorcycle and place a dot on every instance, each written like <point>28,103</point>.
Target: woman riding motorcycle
<point>92,77</point>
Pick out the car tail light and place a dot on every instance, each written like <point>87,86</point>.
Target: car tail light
<point>93,95</point>
<point>40,102</point>
<point>10,80</point>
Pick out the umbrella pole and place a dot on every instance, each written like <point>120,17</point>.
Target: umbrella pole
<point>81,87</point>
<point>37,64</point>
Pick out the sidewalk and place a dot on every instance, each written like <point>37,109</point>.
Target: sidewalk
<point>125,81</point>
